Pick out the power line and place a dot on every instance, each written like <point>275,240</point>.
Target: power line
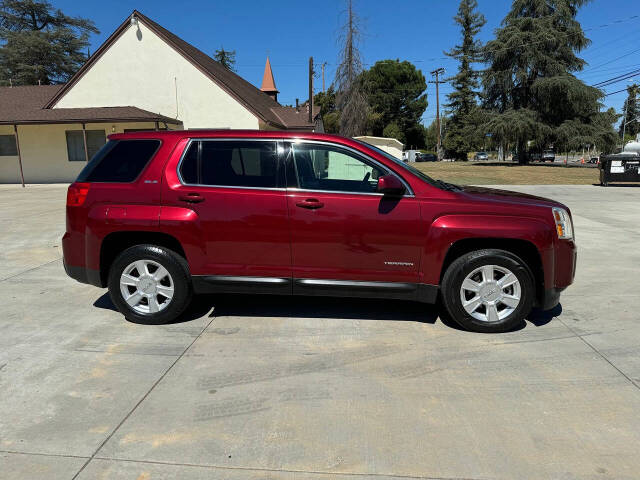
<point>610,24</point>
<point>617,79</point>
<point>616,92</point>
<point>616,59</point>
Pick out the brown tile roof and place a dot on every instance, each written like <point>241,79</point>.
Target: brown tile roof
<point>252,98</point>
<point>295,119</point>
<point>23,105</point>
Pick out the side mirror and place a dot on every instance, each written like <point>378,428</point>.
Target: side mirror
<point>390,185</point>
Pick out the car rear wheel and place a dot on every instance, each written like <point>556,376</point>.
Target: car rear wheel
<point>488,291</point>
<point>150,284</point>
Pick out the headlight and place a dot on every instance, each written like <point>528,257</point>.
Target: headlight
<point>564,227</point>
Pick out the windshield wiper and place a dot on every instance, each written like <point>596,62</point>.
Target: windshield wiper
<point>447,186</point>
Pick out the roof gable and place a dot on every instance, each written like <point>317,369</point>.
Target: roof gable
<point>242,91</point>
<point>256,101</point>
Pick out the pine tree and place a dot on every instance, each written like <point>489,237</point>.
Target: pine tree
<point>530,86</point>
<point>631,113</point>
<point>396,93</point>
<point>40,44</point>
<point>350,99</point>
<point>226,57</point>
<point>461,135</point>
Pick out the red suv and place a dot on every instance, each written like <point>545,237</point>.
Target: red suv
<point>159,216</point>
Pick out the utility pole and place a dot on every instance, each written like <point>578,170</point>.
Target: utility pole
<point>310,89</point>
<point>624,123</point>
<point>436,73</point>
<point>323,65</point>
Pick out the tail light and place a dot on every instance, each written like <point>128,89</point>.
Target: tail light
<point>77,194</point>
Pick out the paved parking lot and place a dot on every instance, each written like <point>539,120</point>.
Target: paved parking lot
<point>275,388</point>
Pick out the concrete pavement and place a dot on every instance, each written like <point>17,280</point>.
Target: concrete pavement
<point>279,388</point>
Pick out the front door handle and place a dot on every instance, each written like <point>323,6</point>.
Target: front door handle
<point>310,203</point>
<point>192,198</point>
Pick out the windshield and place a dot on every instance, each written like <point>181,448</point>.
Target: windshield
<point>397,161</point>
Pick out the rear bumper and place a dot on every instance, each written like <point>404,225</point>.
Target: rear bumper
<point>84,275</point>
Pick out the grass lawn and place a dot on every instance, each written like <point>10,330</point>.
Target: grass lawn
<point>475,173</point>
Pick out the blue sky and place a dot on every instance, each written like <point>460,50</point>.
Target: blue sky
<point>290,31</point>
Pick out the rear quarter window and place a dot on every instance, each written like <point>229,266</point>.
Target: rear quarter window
<point>119,161</point>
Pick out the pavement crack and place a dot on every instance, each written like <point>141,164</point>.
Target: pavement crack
<point>56,455</point>
<point>601,355</point>
<point>144,397</point>
<point>30,270</point>
<point>285,470</point>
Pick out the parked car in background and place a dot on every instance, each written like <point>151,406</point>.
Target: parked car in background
<point>481,156</point>
<point>410,155</point>
<point>548,156</point>
<point>542,156</point>
<point>594,160</point>
<point>426,157</point>
<point>160,216</point>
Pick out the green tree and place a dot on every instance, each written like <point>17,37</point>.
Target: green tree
<point>330,115</point>
<point>631,112</point>
<point>462,129</point>
<point>226,57</point>
<point>396,93</point>
<point>431,136</point>
<point>529,85</point>
<point>39,43</point>
<point>393,131</point>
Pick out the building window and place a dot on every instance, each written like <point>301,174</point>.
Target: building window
<point>75,144</point>
<point>8,147</point>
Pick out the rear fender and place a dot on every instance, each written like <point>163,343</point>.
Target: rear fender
<point>184,224</point>
<point>104,219</point>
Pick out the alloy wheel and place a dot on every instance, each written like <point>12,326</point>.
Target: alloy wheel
<point>146,286</point>
<point>490,293</point>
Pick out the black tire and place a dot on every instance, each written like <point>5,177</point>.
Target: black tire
<point>177,267</point>
<point>463,266</point>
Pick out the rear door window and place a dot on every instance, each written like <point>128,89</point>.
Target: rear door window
<point>119,161</point>
<point>231,163</point>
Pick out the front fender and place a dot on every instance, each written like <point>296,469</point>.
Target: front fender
<point>448,229</point>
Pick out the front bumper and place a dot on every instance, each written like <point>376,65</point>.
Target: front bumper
<point>564,271</point>
<point>549,299</point>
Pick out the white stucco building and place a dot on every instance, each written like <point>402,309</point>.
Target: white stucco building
<point>142,77</point>
<point>390,145</point>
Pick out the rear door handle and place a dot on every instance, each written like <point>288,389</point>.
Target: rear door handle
<point>310,203</point>
<point>192,198</point>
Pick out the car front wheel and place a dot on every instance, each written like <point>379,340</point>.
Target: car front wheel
<point>488,291</point>
<point>150,284</point>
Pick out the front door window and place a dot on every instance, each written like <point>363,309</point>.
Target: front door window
<point>329,168</point>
